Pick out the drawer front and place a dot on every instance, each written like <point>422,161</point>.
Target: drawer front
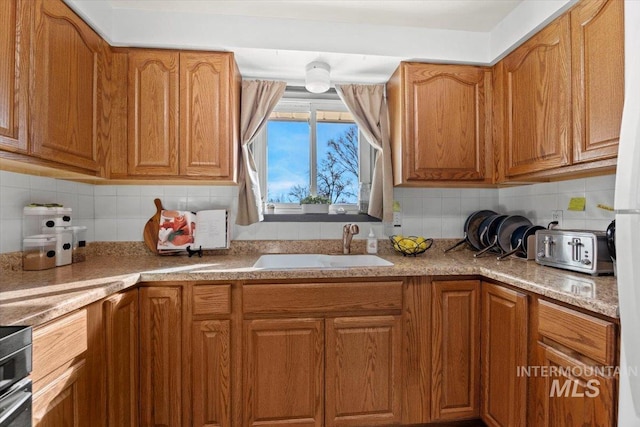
<point>322,297</point>
<point>211,299</point>
<point>589,336</point>
<point>58,342</point>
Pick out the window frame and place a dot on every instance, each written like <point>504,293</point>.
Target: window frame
<point>295,103</point>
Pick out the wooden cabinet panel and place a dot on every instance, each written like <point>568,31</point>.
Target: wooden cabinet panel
<point>160,356</point>
<point>284,372</point>
<point>440,122</point>
<point>60,402</point>
<point>576,394</point>
<point>504,351</point>
<point>597,67</point>
<point>58,342</point>
<point>416,350</point>
<point>211,365</point>
<point>207,145</point>
<point>321,297</point>
<point>14,36</point>
<point>590,336</point>
<point>363,371</point>
<point>65,86</point>
<point>455,341</point>
<point>537,98</point>
<point>153,112</point>
<point>211,299</point>
<point>122,340</point>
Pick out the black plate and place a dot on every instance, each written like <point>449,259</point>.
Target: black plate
<point>472,227</point>
<point>506,229</point>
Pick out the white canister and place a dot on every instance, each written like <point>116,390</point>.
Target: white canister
<point>64,244</point>
<point>35,219</point>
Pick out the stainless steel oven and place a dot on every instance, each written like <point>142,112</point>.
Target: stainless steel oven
<point>15,387</point>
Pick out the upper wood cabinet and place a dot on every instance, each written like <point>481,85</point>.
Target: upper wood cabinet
<point>597,67</point>
<point>504,340</point>
<point>535,88</point>
<point>66,87</point>
<point>153,112</point>
<point>440,123</point>
<point>183,114</point>
<point>14,36</point>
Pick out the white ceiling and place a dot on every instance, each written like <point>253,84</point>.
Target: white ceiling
<point>362,40</point>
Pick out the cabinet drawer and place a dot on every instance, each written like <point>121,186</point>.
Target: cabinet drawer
<point>589,336</point>
<point>58,342</point>
<point>322,297</point>
<point>211,299</point>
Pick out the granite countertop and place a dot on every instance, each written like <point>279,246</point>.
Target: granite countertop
<point>33,298</point>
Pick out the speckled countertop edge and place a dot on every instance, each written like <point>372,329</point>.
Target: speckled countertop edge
<point>36,297</point>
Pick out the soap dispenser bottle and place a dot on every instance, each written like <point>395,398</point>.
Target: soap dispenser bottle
<point>372,243</point>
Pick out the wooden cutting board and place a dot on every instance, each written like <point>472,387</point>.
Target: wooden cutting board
<point>152,227</point>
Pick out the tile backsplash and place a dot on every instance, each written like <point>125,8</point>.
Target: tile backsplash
<point>119,212</point>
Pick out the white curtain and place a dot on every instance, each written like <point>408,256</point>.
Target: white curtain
<point>368,105</point>
<point>259,98</point>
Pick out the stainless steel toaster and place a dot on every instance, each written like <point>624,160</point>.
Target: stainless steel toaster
<point>585,251</point>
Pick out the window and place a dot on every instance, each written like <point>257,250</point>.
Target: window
<point>311,147</point>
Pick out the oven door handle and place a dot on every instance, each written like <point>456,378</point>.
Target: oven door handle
<point>15,402</point>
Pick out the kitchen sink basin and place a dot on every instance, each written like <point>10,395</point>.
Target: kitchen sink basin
<point>303,261</point>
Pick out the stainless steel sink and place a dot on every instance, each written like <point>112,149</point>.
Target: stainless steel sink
<point>304,261</point>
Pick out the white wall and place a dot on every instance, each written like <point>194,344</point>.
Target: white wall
<point>119,212</point>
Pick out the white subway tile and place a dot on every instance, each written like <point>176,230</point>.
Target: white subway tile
<point>597,183</point>
<point>12,179</point>
<point>69,200</point>
<point>128,207</point>
<point>104,190</point>
<point>451,192</point>
<point>597,224</point>
<point>309,230</point>
<point>176,190</point>
<point>174,202</point>
<point>105,207</point>
<point>573,224</point>
<point>432,207</point>
<point>105,230</point>
<point>412,207</point>
<point>11,231</point>
<point>196,204</point>
<point>432,227</point>
<point>90,224</point>
<point>127,190</point>
<point>453,227</point>
<point>451,207</point>
<point>152,190</point>
<point>129,230</point>
<point>63,186</point>
<point>43,196</point>
<point>331,230</point>
<point>288,230</point>
<point>412,226</point>
<point>603,197</point>
<point>223,191</point>
<point>198,191</point>
<point>42,183</point>
<point>574,186</point>
<point>85,189</point>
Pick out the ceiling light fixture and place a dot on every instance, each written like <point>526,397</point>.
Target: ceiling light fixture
<point>317,78</point>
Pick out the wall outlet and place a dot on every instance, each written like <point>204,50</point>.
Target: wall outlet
<point>397,219</point>
<point>557,216</point>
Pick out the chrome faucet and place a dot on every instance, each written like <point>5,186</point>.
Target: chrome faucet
<point>348,231</point>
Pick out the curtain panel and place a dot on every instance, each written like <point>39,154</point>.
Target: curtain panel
<point>368,105</point>
<point>259,98</point>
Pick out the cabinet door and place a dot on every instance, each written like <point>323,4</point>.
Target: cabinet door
<point>207,145</point>
<point>363,371</point>
<point>537,91</point>
<point>575,393</point>
<point>211,365</point>
<point>14,35</point>
<point>504,351</point>
<point>121,332</point>
<point>153,112</point>
<point>597,66</point>
<point>446,122</point>
<point>284,372</point>
<point>65,61</point>
<point>60,402</point>
<point>160,356</point>
<point>455,341</point>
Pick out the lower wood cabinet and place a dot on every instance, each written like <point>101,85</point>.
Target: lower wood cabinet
<point>121,358</point>
<point>161,356</point>
<point>455,347</point>
<point>504,353</point>
<point>363,371</point>
<point>59,375</point>
<point>578,353</point>
<point>211,367</point>
<point>284,372</point>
